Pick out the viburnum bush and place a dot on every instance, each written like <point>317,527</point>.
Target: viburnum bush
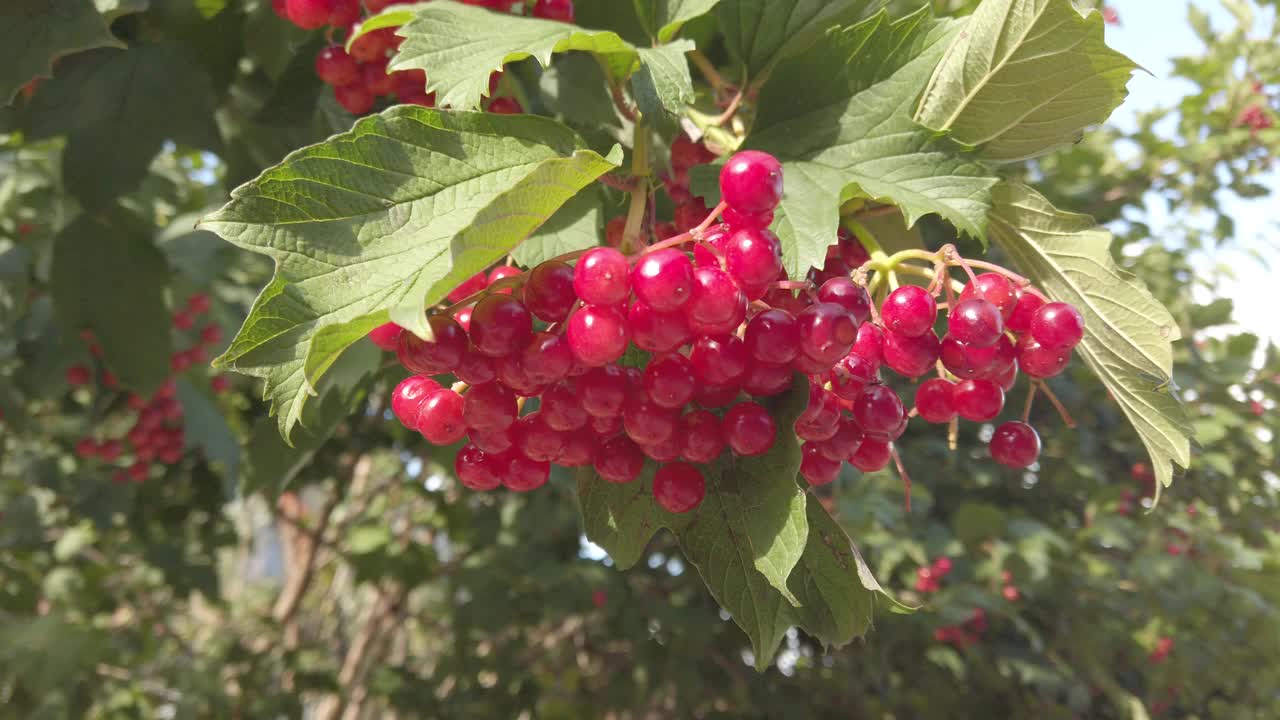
<point>695,294</point>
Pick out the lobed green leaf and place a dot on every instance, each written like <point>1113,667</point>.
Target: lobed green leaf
<point>34,33</point>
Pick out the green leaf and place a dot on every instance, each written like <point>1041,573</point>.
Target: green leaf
<point>117,108</point>
<point>107,276</point>
<point>576,226</point>
<point>1128,333</point>
<point>34,33</point>
<point>759,33</point>
<point>575,90</point>
<point>663,84</point>
<point>745,538</point>
<point>1026,77</point>
<point>207,429</point>
<point>839,117</point>
<point>459,46</point>
<point>833,583</point>
<point>387,218</point>
<point>662,19</point>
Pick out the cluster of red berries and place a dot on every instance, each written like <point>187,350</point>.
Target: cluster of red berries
<point>157,433</point>
<point>929,578</point>
<point>966,633</point>
<point>1162,650</point>
<point>359,76</point>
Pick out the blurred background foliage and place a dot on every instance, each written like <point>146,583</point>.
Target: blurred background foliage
<point>350,576</point>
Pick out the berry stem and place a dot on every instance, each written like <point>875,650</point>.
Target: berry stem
<point>906,479</point>
<point>1026,409</point>
<point>569,256</point>
<point>694,234</point>
<point>708,70</point>
<point>1057,404</point>
<point>952,257</point>
<point>732,108</point>
<point>640,195</point>
<point>953,433</point>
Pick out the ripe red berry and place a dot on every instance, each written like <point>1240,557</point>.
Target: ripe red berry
<point>562,409</point>
<point>440,418</point>
<point>977,400</point>
<point>1038,361</point>
<point>816,468</point>
<point>603,391</point>
<point>505,106</point>
<point>975,322</point>
<point>666,451</point>
<point>1057,326</point>
<point>851,375</point>
<point>911,356</point>
<point>872,455</point>
<point>597,335</point>
<point>851,249</point>
<point>408,397</point>
<point>356,99</point>
<point>669,381</point>
<point>477,469</point>
<point>86,447</point>
<point>489,407</point>
<point>847,294</point>
<point>690,214</point>
<point>703,436</point>
<point>373,45</point>
<point>492,443</point>
<point>754,258</point>
<point>934,401</point>
<point>1015,444</point>
<point>844,443</point>
<point>870,344</point>
<point>878,411</point>
<point>717,396</point>
<point>909,311</point>
<point>579,450</point>
<point>663,280</point>
<point>335,67</point>
<point>310,14</point>
<point>749,430</point>
<point>469,287</point>
<point>772,337</point>
<point>525,475</point>
<point>821,419</point>
<point>1024,310</point>
<point>751,182</point>
<point>679,487</point>
<point>995,289</point>
<point>547,358</point>
<point>720,360</point>
<point>78,375</point>
<point>646,422</point>
<point>500,325</point>
<point>499,273</point>
<point>558,10</point>
<point>139,470</point>
<point>537,440</point>
<point>738,220</point>
<point>620,460</point>
<point>967,361</point>
<point>715,298</point>
<point>549,293</point>
<point>345,13</point>
<point>601,277</point>
<point>386,336</point>
<point>657,332</point>
<point>764,380</point>
<point>827,333</point>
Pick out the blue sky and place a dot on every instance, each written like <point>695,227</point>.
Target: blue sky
<point>1152,32</point>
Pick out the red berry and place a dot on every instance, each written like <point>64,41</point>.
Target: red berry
<point>716,396</point>
<point>851,249</point>
<point>911,356</point>
<point>690,214</point>
<point>199,303</point>
<point>821,419</point>
<point>549,293</point>
<point>210,334</point>
<point>603,391</point>
<point>754,258</point>
<point>505,106</point>
<point>663,280</point>
<point>749,430</point>
<point>1038,361</point>
<point>558,10</point>
<point>827,333</point>
<point>597,335</point>
<point>376,79</point>
<point>525,475</point>
<point>356,99</point>
<point>669,381</point>
<point>335,67</point>
<point>620,460</point>
<point>977,400</point>
<point>479,470</point>
<point>834,267</point>
<point>975,322</point>
<point>579,450</point>
<point>86,447</point>
<point>715,298</point>
<point>872,455</point>
<point>139,471</point>
<point>441,355</point>
<point>310,14</point>
<point>500,325</point>
<point>703,437</point>
<point>679,487</point>
<point>385,336</point>
<point>373,46</point>
<point>1057,326</point>
<point>601,277</point>
<point>870,344</point>
<point>844,443</point>
<point>851,375</point>
<point>878,410</point>
<point>562,409</point>
<point>489,407</point>
<point>909,311</point>
<point>547,358</point>
<point>345,13</point>
<point>220,384</point>
<point>751,182</point>
<point>720,360</point>
<point>183,320</point>
<point>852,297</point>
<point>738,220</point>
<point>646,422</point>
<point>655,331</point>
<point>440,418</point>
<point>764,380</point>
<point>995,289</point>
<point>469,287</point>
<point>772,337</point>
<point>666,451</point>
<point>1024,310</point>
<point>934,401</point>
<point>536,440</point>
<point>1015,444</point>
<point>492,443</point>
<point>376,6</point>
<point>109,450</point>
<point>967,361</point>
<point>78,375</point>
<point>816,468</point>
